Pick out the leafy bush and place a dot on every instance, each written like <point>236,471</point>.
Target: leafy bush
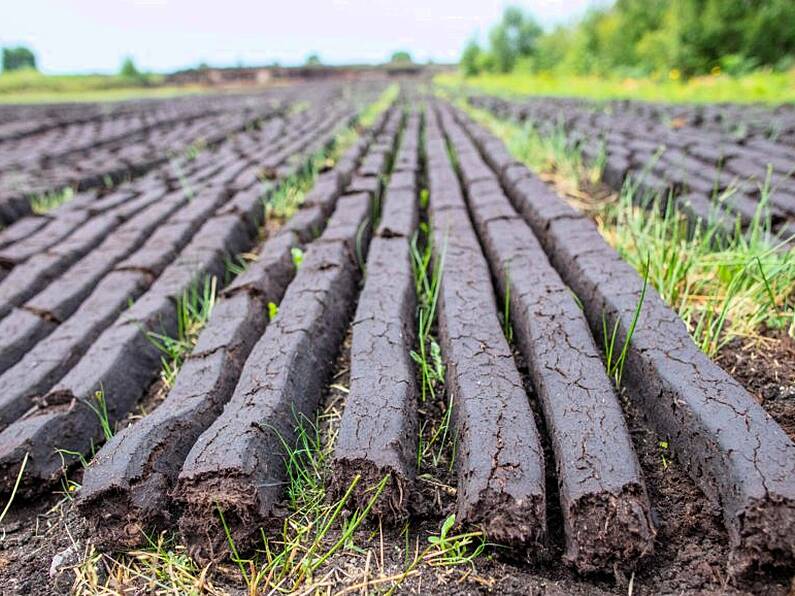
<point>19,58</point>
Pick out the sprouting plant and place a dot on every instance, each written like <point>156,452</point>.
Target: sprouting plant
<point>70,487</point>
<point>615,362</point>
<point>598,166</point>
<point>506,307</point>
<point>428,356</point>
<point>184,183</point>
<point>273,310</point>
<point>77,455</point>
<point>455,549</point>
<point>235,266</point>
<point>288,195</point>
<point>194,149</point>
<point>663,450</point>
<point>193,312</point>
<point>440,437</point>
<point>298,256</point>
<point>576,299</point>
<point>100,408</point>
<point>425,197</point>
<point>48,201</point>
<point>436,361</point>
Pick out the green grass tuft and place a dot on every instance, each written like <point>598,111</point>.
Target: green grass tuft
<point>193,312</point>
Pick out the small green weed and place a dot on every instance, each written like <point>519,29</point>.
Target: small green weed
<point>48,201</point>
<point>427,280</point>
<point>297,256</point>
<point>316,529</point>
<point>507,328</point>
<point>234,266</point>
<point>663,445</point>
<point>193,312</point>
<point>100,408</point>
<point>454,549</point>
<point>615,362</point>
<point>273,310</point>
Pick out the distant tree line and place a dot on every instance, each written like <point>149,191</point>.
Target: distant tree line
<point>18,58</point>
<point>644,37</point>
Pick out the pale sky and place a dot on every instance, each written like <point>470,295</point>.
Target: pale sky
<point>164,35</point>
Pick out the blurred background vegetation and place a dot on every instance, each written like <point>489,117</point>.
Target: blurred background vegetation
<point>21,82</point>
<point>680,50</point>
<point>645,38</point>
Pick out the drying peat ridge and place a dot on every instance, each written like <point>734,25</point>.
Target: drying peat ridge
<point>190,284</point>
<point>725,165</point>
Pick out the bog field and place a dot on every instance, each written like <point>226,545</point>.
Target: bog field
<point>391,335</point>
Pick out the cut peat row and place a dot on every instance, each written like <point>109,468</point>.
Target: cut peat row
<point>127,156</point>
<point>237,464</point>
<point>717,177</point>
<point>175,216</point>
<point>378,429</point>
<point>126,490</point>
<point>24,281</point>
<point>45,363</point>
<point>500,463</point>
<point>26,325</point>
<point>733,450</point>
<point>122,362</point>
<point>52,227</point>
<point>605,509</point>
<point>188,176</point>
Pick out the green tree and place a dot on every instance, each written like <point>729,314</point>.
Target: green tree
<point>128,69</point>
<point>18,58</point>
<point>470,59</point>
<point>514,37</point>
<point>401,57</point>
<point>501,49</point>
<point>551,49</point>
<point>313,60</point>
<point>770,32</point>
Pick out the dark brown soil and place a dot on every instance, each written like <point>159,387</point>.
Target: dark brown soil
<point>40,540</point>
<point>766,368</point>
